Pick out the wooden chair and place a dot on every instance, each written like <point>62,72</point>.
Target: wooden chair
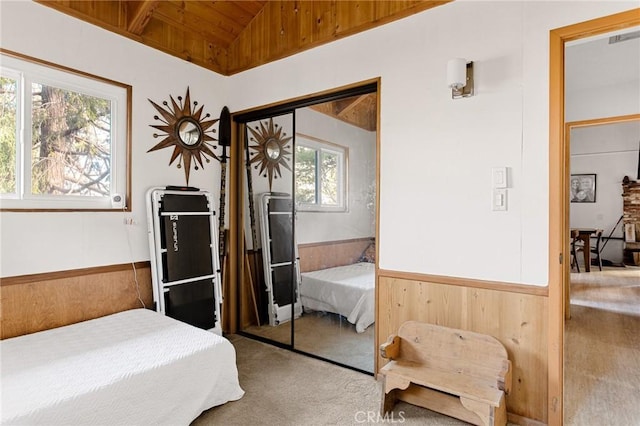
<point>596,250</point>
<point>574,255</point>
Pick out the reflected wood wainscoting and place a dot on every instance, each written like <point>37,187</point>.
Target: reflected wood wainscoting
<point>313,256</point>
<point>31,303</point>
<point>328,254</point>
<point>514,314</point>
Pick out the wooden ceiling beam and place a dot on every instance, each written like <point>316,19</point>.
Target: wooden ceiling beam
<point>138,14</point>
<point>198,51</point>
<point>358,111</point>
<point>352,105</point>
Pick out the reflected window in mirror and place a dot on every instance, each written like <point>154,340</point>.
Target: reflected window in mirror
<point>321,175</point>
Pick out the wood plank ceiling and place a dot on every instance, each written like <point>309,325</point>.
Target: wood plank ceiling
<point>357,110</point>
<point>228,37</point>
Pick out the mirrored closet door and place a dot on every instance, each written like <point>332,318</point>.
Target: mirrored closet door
<point>309,216</point>
<point>270,296</point>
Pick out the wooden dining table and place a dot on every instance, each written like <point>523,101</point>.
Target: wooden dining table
<point>585,234</point>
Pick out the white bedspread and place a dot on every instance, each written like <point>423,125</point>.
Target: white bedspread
<point>136,367</point>
<point>345,290</point>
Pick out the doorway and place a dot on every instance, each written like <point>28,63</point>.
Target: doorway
<point>604,154</point>
<point>603,298</point>
<point>307,219</point>
<point>559,195</point>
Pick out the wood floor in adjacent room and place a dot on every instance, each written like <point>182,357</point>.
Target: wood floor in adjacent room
<point>602,348</point>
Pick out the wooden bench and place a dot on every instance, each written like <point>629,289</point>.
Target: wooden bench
<point>455,372</point>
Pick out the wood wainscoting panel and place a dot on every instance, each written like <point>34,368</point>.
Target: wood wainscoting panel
<point>45,301</point>
<point>327,254</point>
<point>518,320</point>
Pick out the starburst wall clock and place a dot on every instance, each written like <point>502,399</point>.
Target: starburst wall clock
<point>187,131</point>
<point>270,150</point>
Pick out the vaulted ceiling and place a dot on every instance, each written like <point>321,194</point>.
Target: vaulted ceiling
<point>228,37</point>
<point>232,36</point>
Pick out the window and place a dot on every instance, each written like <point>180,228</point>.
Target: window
<point>320,175</point>
<point>63,137</point>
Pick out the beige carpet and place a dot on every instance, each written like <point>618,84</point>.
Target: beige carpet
<point>285,388</point>
<point>602,372</point>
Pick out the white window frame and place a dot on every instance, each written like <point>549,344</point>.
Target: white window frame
<point>320,145</point>
<point>28,70</point>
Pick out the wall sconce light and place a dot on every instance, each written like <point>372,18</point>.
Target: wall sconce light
<point>460,78</point>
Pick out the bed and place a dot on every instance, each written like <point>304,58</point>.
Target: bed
<point>345,290</point>
<point>132,367</point>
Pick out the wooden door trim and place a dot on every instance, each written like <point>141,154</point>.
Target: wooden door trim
<point>567,140</point>
<point>558,194</point>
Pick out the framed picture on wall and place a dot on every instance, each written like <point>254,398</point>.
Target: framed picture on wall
<point>583,188</point>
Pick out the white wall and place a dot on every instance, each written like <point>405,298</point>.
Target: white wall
<point>603,81</point>
<point>437,153</point>
<point>611,152</point>
<point>603,101</point>
<point>358,221</point>
<point>44,242</point>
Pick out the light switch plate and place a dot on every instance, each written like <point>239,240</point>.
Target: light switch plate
<point>499,200</point>
<point>499,177</point>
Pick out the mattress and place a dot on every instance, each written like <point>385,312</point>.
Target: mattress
<point>346,290</point>
<point>133,367</point>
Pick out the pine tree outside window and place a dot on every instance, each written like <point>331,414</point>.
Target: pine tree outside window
<point>63,137</point>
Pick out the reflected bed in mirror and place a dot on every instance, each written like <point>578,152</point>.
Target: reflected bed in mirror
<point>338,303</point>
<point>334,280</point>
<point>345,290</point>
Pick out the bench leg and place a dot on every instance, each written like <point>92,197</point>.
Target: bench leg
<point>489,415</point>
<point>482,410</point>
<point>388,402</point>
<point>388,392</point>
